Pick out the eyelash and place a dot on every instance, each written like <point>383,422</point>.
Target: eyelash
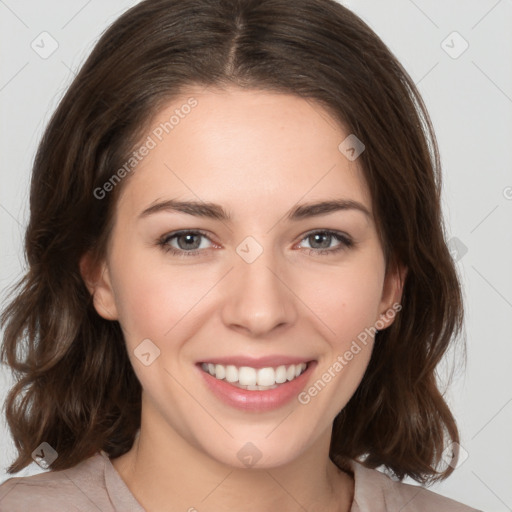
<point>345,243</point>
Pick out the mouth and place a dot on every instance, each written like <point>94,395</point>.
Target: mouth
<point>254,385</point>
<point>255,379</point>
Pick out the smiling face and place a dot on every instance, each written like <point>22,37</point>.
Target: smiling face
<point>218,260</point>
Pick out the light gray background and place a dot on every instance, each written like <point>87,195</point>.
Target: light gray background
<point>470,102</point>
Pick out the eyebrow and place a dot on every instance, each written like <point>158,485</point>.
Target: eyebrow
<point>217,212</point>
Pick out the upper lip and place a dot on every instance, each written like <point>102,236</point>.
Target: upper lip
<point>257,362</point>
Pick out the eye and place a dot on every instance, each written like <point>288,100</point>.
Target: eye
<point>320,242</point>
<point>185,243</point>
<point>193,242</point>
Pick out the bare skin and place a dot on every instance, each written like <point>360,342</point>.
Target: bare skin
<point>258,155</point>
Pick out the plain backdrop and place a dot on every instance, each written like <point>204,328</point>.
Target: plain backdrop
<point>459,53</point>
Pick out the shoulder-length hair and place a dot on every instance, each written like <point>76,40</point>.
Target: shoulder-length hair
<point>75,388</point>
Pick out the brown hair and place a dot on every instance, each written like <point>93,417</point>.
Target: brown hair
<point>75,387</point>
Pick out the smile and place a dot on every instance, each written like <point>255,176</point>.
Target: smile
<point>256,384</point>
<point>255,379</point>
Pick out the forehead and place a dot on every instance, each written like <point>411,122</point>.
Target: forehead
<point>256,147</point>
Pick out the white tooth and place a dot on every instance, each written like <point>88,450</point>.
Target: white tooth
<point>231,373</point>
<point>220,371</point>
<point>253,388</point>
<point>247,376</point>
<point>280,374</point>
<point>266,377</point>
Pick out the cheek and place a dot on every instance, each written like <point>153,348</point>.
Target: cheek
<point>151,299</point>
<point>346,298</point>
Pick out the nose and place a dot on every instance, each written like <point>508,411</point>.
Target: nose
<point>258,299</point>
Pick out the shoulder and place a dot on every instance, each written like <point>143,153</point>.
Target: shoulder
<point>82,487</point>
<point>376,489</point>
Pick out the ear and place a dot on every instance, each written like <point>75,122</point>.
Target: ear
<point>391,295</point>
<point>96,277</point>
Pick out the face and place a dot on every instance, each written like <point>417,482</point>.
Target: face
<point>245,246</point>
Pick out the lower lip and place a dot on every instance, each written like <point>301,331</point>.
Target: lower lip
<point>257,401</point>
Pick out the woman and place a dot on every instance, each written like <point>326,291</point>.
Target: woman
<point>238,287</point>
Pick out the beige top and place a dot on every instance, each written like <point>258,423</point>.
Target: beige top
<point>94,485</point>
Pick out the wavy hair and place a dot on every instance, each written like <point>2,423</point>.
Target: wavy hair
<point>75,387</point>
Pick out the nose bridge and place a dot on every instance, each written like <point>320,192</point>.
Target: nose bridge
<point>257,300</point>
